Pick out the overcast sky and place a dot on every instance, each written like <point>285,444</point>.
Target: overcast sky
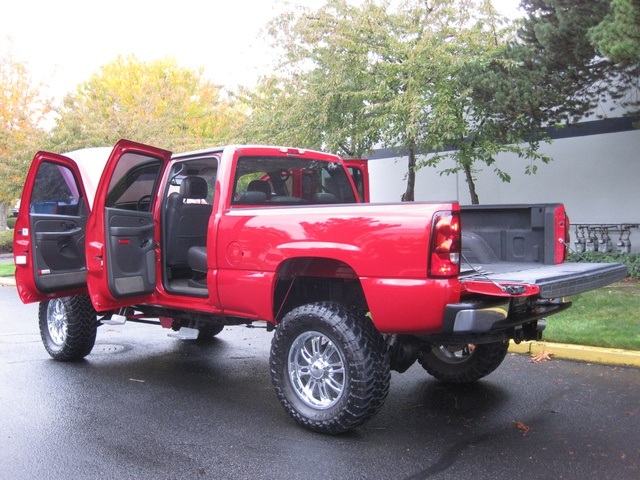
<point>63,42</point>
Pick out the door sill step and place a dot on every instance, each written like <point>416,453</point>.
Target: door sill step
<point>115,320</point>
<point>185,334</point>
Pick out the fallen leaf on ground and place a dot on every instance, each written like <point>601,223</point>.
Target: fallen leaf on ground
<point>541,357</point>
<point>522,427</point>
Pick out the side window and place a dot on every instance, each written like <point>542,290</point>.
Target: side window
<point>133,182</point>
<point>55,191</point>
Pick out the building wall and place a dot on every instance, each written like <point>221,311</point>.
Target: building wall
<point>596,176</point>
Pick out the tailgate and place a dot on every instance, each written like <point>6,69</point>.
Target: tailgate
<point>553,281</point>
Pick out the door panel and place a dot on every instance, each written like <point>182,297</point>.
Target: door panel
<point>59,252</point>
<point>130,242</point>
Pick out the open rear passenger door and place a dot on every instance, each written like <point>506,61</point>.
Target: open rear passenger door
<point>359,171</point>
<point>49,236</point>
<point>122,231</point>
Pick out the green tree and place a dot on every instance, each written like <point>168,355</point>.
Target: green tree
<point>355,77</point>
<point>320,96</point>
<point>156,102</point>
<point>556,33</point>
<point>22,112</point>
<point>617,36</point>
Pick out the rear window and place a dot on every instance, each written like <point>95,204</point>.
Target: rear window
<point>290,181</point>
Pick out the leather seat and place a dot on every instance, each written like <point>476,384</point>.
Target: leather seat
<point>197,258</point>
<point>260,186</point>
<point>186,223</point>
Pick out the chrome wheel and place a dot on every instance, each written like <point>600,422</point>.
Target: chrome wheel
<point>317,370</point>
<point>57,321</point>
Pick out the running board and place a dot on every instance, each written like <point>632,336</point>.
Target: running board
<point>114,320</point>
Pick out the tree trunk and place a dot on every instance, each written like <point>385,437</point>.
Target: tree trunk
<point>4,208</point>
<point>408,195</point>
<point>471,183</point>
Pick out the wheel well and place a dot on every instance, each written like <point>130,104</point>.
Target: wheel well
<point>313,279</point>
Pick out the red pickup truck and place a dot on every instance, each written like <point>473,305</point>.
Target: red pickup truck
<point>230,236</point>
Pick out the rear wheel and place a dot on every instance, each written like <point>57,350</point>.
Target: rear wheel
<point>329,367</point>
<point>68,327</point>
<point>463,363</point>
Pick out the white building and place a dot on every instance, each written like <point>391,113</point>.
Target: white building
<point>595,172</point>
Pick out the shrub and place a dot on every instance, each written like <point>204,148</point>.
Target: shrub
<point>6,241</point>
<point>631,260</point>
<point>11,222</point>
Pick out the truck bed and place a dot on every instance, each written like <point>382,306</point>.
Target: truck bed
<point>521,244</point>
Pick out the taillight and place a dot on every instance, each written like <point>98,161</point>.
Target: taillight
<point>444,255</point>
<point>567,236</point>
<point>562,235</point>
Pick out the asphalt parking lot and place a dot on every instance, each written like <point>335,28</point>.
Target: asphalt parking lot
<point>143,405</point>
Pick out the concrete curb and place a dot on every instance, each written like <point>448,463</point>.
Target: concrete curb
<point>606,356</point>
<point>581,353</point>
<point>7,281</point>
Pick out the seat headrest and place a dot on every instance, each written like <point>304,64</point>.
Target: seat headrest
<point>194,187</point>
<point>259,186</point>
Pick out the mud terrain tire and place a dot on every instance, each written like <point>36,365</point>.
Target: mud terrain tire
<point>329,367</point>
<point>463,363</point>
<point>68,327</point>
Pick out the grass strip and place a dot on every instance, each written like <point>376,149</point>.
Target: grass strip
<point>7,269</point>
<point>607,317</point>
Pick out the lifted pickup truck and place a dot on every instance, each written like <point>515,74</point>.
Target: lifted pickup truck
<point>235,235</point>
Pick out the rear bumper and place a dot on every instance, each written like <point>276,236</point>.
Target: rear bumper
<point>484,316</point>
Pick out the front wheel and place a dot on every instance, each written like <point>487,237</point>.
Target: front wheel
<point>463,363</point>
<point>68,327</point>
<point>329,367</point>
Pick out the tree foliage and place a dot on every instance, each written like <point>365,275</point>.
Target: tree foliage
<point>22,110</point>
<point>416,76</point>
<point>156,102</point>
<point>559,36</point>
<point>321,95</point>
<point>617,36</point>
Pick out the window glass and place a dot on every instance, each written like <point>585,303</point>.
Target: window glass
<point>133,182</point>
<point>55,191</point>
<point>290,180</point>
<point>206,167</point>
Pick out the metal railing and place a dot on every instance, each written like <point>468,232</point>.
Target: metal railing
<point>597,237</point>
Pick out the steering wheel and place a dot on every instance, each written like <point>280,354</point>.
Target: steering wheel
<point>141,201</point>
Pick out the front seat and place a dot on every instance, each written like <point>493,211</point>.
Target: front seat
<point>260,186</point>
<point>186,223</point>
